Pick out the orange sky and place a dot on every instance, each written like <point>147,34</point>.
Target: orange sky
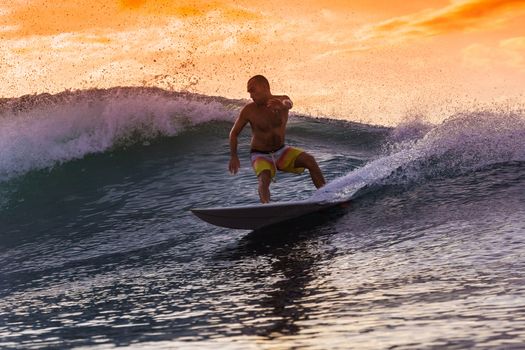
<point>374,61</point>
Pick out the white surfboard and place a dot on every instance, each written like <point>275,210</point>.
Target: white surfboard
<point>251,217</point>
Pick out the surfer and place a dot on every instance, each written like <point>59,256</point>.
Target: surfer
<point>268,115</point>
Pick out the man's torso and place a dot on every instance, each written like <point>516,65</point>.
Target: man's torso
<point>268,127</point>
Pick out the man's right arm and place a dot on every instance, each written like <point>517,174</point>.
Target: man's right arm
<point>239,124</point>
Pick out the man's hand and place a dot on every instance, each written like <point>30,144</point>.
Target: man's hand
<point>275,104</point>
<point>235,164</point>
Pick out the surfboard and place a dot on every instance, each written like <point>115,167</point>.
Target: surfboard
<point>252,217</point>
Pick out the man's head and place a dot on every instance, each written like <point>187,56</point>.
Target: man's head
<point>259,89</point>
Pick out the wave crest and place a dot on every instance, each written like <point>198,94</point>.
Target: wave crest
<point>39,131</point>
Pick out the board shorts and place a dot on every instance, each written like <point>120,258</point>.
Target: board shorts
<point>282,159</point>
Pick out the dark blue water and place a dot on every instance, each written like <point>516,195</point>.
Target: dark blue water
<point>98,247</point>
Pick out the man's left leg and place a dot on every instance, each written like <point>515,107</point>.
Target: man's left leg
<point>264,178</point>
<point>305,160</point>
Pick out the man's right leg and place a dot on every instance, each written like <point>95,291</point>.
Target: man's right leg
<point>265,177</point>
<point>305,160</point>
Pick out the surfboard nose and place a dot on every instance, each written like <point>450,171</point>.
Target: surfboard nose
<point>236,218</point>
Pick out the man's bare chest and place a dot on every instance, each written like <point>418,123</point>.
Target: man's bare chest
<point>267,121</point>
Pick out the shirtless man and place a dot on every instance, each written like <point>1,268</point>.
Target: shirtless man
<point>268,115</point>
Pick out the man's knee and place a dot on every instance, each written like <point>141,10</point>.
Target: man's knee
<point>305,160</point>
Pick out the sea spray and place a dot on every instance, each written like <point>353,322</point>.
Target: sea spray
<point>465,142</point>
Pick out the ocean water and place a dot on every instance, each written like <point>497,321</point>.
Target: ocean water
<point>98,248</point>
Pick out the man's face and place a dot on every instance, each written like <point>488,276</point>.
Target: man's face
<point>258,92</point>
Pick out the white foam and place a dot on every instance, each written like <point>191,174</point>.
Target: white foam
<point>41,131</point>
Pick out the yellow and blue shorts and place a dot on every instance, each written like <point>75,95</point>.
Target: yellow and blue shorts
<point>282,159</point>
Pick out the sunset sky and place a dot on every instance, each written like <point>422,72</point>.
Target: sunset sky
<point>375,61</point>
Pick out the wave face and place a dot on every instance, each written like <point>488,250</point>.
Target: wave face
<point>98,246</point>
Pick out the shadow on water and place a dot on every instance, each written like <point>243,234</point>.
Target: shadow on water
<point>294,250</point>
